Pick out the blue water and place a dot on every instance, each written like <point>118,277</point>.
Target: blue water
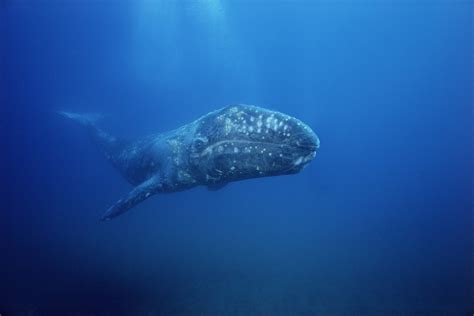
<point>380,223</point>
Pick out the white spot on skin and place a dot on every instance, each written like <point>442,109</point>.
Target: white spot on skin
<point>309,157</point>
<point>269,154</point>
<point>298,161</point>
<point>147,194</point>
<point>236,150</point>
<point>275,125</point>
<point>250,129</point>
<point>227,126</point>
<point>268,121</point>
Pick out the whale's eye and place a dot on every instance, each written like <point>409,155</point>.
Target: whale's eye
<point>200,143</point>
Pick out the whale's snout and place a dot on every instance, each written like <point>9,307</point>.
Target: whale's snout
<point>305,138</point>
<point>304,143</point>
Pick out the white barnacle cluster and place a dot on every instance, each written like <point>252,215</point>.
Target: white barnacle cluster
<point>271,123</point>
<point>185,177</point>
<point>176,149</point>
<point>259,123</point>
<point>298,161</point>
<point>256,124</point>
<point>242,126</point>
<point>274,122</point>
<point>233,120</point>
<point>227,125</point>
<point>285,127</point>
<point>304,159</point>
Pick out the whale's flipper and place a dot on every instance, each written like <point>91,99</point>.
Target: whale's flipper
<point>137,195</point>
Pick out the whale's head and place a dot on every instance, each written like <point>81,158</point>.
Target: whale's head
<point>243,141</point>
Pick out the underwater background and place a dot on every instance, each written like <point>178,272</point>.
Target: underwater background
<point>380,223</point>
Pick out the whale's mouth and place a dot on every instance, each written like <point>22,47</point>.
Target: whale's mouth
<point>237,146</point>
<point>307,147</point>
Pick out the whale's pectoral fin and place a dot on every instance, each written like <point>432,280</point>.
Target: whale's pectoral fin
<point>137,195</point>
<point>83,118</point>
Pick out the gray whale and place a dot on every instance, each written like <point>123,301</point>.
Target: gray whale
<point>234,143</point>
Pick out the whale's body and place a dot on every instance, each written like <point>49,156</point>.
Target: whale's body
<point>233,143</point>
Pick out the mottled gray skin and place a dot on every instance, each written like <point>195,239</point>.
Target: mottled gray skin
<point>233,143</point>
